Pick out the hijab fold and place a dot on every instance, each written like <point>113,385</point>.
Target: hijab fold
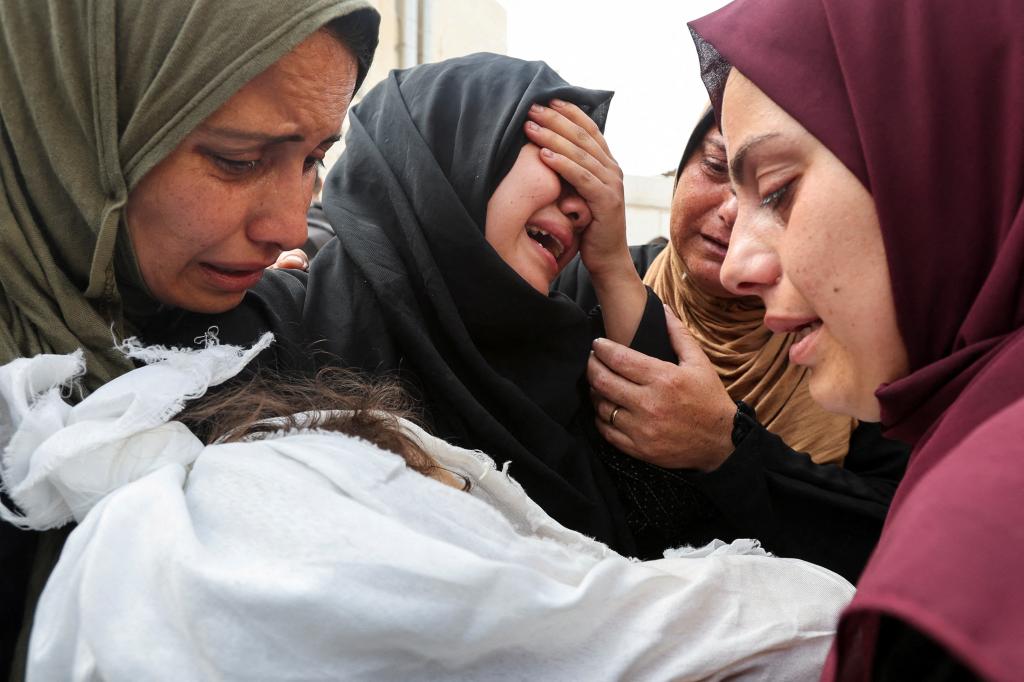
<point>922,102</point>
<point>93,94</point>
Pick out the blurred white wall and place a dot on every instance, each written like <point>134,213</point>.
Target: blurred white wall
<point>648,199</point>
<point>419,31</point>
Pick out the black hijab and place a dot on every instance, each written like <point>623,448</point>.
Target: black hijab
<point>412,286</point>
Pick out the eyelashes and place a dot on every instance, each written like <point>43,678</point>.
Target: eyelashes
<point>240,168</point>
<point>233,166</point>
<point>774,199</point>
<point>716,168</point>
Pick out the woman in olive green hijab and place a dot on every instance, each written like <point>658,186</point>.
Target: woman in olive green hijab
<point>152,153</point>
<point>94,94</point>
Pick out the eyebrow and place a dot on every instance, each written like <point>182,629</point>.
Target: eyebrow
<point>253,136</point>
<point>717,144</point>
<point>740,158</point>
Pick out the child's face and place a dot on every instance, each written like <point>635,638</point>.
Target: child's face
<point>534,220</point>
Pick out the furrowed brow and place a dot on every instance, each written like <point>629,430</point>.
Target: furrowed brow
<point>252,135</point>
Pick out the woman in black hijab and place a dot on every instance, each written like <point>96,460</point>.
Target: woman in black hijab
<point>413,287</point>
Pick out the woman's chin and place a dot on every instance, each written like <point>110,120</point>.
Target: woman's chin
<point>537,278</point>
<point>206,303</point>
<point>840,397</point>
<point>706,274</point>
<point>542,285</point>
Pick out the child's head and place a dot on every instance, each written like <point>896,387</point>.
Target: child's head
<point>334,399</point>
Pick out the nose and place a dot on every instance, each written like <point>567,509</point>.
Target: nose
<point>280,220</point>
<point>752,263</point>
<point>572,205</point>
<point>727,208</point>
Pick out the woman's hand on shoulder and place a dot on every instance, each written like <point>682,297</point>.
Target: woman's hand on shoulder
<point>572,145</point>
<point>675,416</point>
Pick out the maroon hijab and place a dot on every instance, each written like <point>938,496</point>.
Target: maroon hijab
<point>923,100</point>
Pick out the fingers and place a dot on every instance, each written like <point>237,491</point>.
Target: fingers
<point>627,363</point>
<point>573,113</point>
<point>610,387</point>
<point>595,190</point>
<point>580,168</point>
<point>581,142</point>
<point>569,121</point>
<point>295,259</point>
<point>605,408</point>
<point>616,437</point>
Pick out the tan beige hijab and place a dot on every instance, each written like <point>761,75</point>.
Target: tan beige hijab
<point>752,362</point>
<point>93,94</point>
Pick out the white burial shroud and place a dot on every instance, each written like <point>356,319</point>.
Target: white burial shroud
<point>318,556</point>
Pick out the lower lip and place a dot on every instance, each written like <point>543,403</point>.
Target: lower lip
<point>233,282</point>
<point>801,352</point>
<point>549,258</point>
<point>715,247</point>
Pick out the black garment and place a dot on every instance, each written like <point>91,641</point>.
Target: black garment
<point>903,652</point>
<point>823,513</point>
<point>318,229</point>
<point>411,287</point>
<point>17,547</point>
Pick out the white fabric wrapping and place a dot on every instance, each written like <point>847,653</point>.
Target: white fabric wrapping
<point>317,556</point>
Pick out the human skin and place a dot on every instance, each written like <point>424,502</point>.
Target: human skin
<point>676,415</point>
<point>566,182</point>
<point>807,241</point>
<point>533,197</point>
<point>221,207</point>
<point>702,214</point>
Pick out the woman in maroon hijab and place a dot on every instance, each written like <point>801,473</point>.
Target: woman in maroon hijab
<point>877,153</point>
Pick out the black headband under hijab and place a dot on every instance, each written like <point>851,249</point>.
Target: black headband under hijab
<point>499,366</point>
<point>706,123</point>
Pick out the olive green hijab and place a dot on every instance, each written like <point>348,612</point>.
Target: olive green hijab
<point>93,94</point>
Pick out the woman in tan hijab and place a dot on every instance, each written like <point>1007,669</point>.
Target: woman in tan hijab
<point>733,418</point>
<point>153,153</point>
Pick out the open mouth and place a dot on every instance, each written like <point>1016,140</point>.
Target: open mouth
<point>545,239</point>
<point>804,341</point>
<point>802,332</point>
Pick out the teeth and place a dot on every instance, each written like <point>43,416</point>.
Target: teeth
<point>548,242</point>
<point>806,330</point>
